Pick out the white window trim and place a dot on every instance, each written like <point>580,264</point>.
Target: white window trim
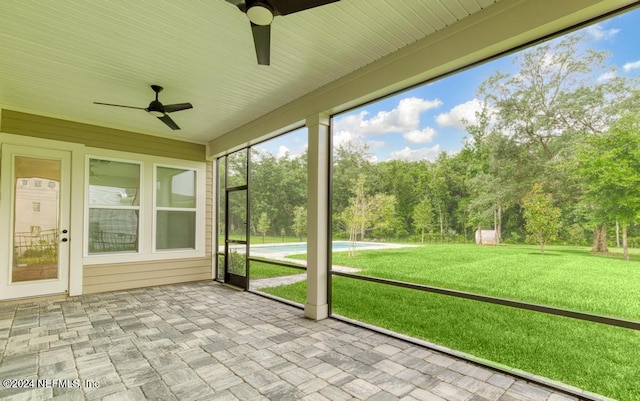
<point>146,225</point>
<point>200,194</point>
<point>88,206</point>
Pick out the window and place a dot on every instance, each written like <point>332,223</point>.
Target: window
<point>35,206</point>
<point>141,207</point>
<point>114,206</point>
<point>38,184</point>
<point>175,206</point>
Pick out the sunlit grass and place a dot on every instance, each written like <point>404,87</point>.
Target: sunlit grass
<point>592,356</point>
<point>260,270</point>
<point>567,277</point>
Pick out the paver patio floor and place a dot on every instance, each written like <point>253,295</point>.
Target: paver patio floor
<point>204,341</point>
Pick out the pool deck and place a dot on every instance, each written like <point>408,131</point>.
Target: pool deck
<point>270,254</point>
<point>292,279</point>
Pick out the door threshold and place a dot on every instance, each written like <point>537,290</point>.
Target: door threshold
<point>37,298</point>
<point>233,287</point>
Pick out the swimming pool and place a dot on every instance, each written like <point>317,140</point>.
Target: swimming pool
<point>291,248</point>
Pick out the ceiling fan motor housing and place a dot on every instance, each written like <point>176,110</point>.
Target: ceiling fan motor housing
<point>260,12</point>
<point>155,108</point>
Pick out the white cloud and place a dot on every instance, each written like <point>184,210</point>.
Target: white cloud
<point>607,76</point>
<point>283,151</point>
<point>373,144</point>
<point>462,112</point>
<point>416,154</point>
<point>597,32</point>
<point>631,66</point>
<point>405,117</point>
<point>343,137</point>
<point>425,135</point>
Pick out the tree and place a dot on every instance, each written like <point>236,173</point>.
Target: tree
<point>423,217</point>
<point>350,160</point>
<point>439,191</point>
<point>264,223</point>
<point>406,180</point>
<point>610,164</point>
<point>552,92</point>
<point>542,219</point>
<point>366,212</point>
<point>546,107</point>
<point>300,221</point>
<point>278,184</point>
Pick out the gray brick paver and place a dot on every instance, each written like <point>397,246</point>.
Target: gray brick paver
<point>451,392</point>
<point>485,390</point>
<point>203,341</point>
<point>500,380</point>
<point>528,391</point>
<point>335,393</point>
<point>127,395</point>
<point>425,395</point>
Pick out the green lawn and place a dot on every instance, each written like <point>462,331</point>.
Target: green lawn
<point>265,270</point>
<point>592,356</point>
<point>567,277</point>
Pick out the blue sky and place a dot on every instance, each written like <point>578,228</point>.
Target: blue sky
<point>420,123</point>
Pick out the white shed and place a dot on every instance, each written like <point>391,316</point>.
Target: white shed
<point>486,237</point>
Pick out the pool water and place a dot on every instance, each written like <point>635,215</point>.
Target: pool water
<point>302,248</point>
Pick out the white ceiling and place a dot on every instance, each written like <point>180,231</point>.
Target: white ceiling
<point>59,56</point>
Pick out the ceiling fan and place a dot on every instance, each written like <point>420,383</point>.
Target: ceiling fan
<point>261,13</point>
<point>157,109</point>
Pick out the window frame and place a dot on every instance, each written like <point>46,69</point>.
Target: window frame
<point>157,208</point>
<point>89,206</point>
<point>147,220</point>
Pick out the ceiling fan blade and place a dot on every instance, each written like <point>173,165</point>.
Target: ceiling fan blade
<point>119,105</point>
<point>170,123</point>
<point>262,42</point>
<point>170,108</point>
<point>284,7</point>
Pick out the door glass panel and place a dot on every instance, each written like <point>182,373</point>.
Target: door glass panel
<point>221,215</point>
<point>237,218</point>
<point>36,219</point>
<point>237,262</point>
<point>220,271</point>
<point>237,169</point>
<point>237,231</point>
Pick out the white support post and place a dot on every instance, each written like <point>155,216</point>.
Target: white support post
<point>317,306</point>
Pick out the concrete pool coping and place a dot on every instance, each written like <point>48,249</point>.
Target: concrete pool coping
<point>360,246</point>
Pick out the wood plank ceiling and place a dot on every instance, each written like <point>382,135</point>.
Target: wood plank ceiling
<point>59,56</point>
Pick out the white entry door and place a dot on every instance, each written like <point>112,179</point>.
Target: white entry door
<point>34,221</point>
